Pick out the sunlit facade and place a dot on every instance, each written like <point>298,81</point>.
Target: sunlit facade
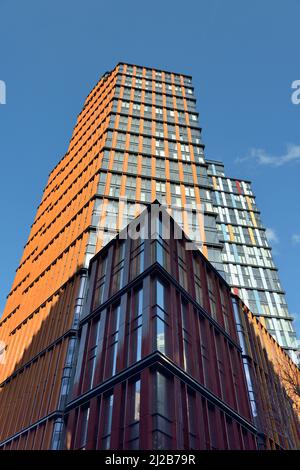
<point>136,140</point>
<point>153,150</point>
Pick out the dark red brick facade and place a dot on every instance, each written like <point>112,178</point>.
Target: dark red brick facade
<point>159,364</point>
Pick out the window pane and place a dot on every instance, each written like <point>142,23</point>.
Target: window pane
<point>84,427</point>
<point>108,411</point>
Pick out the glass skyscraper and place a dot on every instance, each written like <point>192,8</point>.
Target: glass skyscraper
<point>154,150</point>
<point>247,256</point>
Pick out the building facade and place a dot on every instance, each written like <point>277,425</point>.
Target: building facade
<point>50,282</point>
<point>247,256</point>
<point>273,382</point>
<point>170,344</point>
<point>153,151</point>
<point>157,340</point>
<point>137,138</point>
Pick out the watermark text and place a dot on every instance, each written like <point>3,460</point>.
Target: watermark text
<point>2,92</point>
<point>2,352</point>
<point>295,97</point>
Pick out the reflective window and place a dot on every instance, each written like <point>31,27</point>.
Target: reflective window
<point>107,425</point>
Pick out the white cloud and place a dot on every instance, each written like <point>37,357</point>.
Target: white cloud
<point>262,157</point>
<point>271,236</point>
<point>296,238</point>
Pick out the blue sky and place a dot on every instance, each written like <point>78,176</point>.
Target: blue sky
<point>243,57</point>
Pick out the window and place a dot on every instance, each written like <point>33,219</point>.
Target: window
<point>192,419</point>
<point>91,246</point>
<point>186,337</point>
<point>147,145</point>
<point>221,367</point>
<point>197,278</point>
<point>159,131</point>
<point>161,172</point>
<point>182,269</point>
<point>185,155</point>
<point>115,184</point>
<point>173,150</point>
<point>118,267</point>
<point>135,125</point>
<point>196,136</point>
<point>130,187</point>
<point>95,345</point>
<point>189,191</point>
<point>235,374</point>
<point>147,128</point>
<point>174,175</point>
<point>135,351</point>
<point>160,317</point>
<point>102,183</point>
<point>159,247</point>
<point>132,164</point>
<point>118,161</point>
<point>125,106</point>
<point>123,122</point>
<point>85,413</point>
<point>161,191</point>
<point>92,354</point>
<point>109,139</point>
<point>159,151</point>
<point>121,140</point>
<point>111,215</point>
<point>134,415</point>
<point>162,424</point>
<point>100,282</point>
<point>145,190</point>
<point>211,295</point>
<point>199,154</point>
<point>251,391</point>
<point>136,258</point>
<point>97,211</point>
<point>107,425</point>
<point>188,178</point>
<point>225,312</point>
<point>205,359</point>
<point>137,400</point>
<point>113,340</point>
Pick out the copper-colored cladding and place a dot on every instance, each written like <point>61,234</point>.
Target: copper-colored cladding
<point>274,379</point>
<point>41,318</point>
<point>42,298</point>
<point>38,318</point>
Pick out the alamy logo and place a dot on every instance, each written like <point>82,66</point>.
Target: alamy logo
<point>2,92</point>
<point>296,94</point>
<point>120,213</point>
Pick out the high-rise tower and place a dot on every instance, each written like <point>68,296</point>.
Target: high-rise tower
<point>247,256</point>
<point>136,139</point>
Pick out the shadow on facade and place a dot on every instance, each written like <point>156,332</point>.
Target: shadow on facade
<point>29,398</point>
